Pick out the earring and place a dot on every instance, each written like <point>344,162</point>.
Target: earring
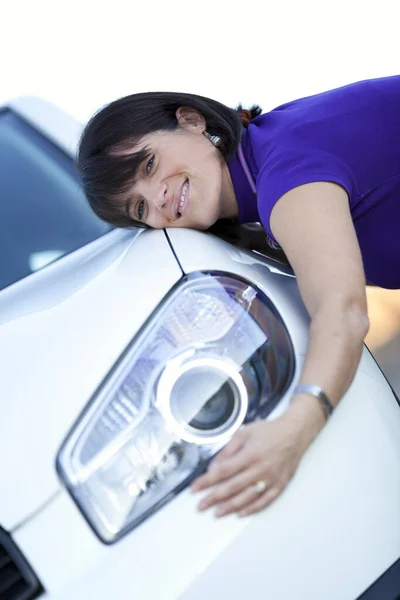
<point>214,139</point>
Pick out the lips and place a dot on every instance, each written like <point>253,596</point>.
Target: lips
<point>181,199</point>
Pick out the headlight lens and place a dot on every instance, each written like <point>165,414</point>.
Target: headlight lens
<point>214,355</point>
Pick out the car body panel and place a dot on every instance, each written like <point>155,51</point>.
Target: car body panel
<point>337,526</point>
<point>54,355</point>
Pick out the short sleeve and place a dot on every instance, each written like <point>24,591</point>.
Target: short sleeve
<point>286,170</point>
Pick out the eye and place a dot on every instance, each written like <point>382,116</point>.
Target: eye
<point>139,210</point>
<point>149,164</point>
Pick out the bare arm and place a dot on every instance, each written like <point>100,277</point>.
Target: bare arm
<point>313,224</point>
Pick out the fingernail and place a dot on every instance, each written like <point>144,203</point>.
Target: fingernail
<point>242,514</point>
<point>203,505</point>
<point>220,512</point>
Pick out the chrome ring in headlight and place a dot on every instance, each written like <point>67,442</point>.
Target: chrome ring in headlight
<point>203,400</point>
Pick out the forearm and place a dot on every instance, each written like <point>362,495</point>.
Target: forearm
<point>334,349</point>
<point>333,354</point>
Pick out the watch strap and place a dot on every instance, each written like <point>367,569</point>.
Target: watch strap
<point>317,392</point>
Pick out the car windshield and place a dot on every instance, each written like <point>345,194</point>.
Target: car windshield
<point>43,212</point>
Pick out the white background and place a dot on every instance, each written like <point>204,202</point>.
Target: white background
<point>81,54</point>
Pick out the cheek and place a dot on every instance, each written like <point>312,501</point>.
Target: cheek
<point>157,222</point>
<point>214,183</point>
<point>211,172</point>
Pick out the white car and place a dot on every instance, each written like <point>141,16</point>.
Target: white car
<point>125,366</point>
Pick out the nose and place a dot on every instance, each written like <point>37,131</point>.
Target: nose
<point>161,196</point>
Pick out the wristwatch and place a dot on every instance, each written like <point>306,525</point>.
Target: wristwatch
<point>317,392</point>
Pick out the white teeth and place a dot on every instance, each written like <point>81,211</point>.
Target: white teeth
<point>184,190</point>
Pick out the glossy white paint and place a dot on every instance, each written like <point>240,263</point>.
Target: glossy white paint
<point>336,529</point>
<point>61,331</point>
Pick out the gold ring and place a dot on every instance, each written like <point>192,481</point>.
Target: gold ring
<point>260,487</point>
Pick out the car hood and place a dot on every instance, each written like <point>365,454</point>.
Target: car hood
<point>61,330</point>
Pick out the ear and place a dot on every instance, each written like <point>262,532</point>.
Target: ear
<point>189,117</point>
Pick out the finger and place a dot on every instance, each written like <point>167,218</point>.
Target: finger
<point>260,503</point>
<point>218,472</point>
<point>241,501</point>
<point>229,488</point>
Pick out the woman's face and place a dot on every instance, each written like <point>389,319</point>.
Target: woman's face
<point>185,181</point>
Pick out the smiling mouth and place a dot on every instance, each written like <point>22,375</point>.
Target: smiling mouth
<point>183,200</point>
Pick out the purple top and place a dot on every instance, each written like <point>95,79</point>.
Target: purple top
<point>349,136</point>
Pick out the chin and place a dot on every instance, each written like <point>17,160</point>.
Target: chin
<point>200,224</point>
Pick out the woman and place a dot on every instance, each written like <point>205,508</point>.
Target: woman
<point>322,175</point>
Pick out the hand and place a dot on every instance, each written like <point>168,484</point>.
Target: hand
<point>267,451</point>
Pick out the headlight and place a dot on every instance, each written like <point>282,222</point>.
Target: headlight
<point>213,356</point>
